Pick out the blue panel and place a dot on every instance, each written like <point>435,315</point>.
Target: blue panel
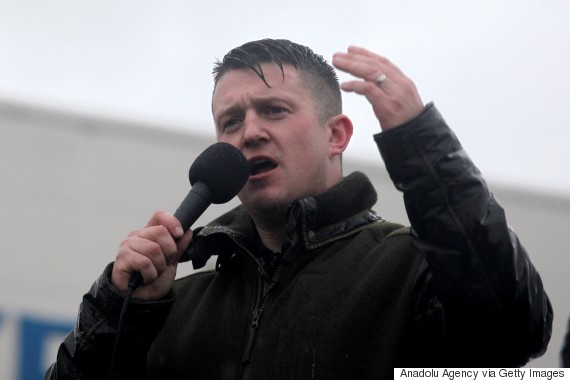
<point>34,333</point>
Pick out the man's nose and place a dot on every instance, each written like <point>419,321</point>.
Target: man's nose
<point>254,132</point>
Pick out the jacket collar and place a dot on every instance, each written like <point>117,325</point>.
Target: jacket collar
<point>321,219</point>
<point>335,213</point>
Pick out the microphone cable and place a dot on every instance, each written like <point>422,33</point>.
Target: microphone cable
<point>134,282</point>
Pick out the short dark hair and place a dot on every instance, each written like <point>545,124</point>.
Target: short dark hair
<point>321,78</point>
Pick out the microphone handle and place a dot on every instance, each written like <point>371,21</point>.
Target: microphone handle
<point>196,202</point>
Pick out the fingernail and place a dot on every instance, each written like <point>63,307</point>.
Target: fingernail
<point>179,231</point>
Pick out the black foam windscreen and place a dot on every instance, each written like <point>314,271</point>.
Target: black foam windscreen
<point>223,168</point>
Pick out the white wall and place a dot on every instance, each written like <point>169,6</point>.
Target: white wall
<point>72,186</point>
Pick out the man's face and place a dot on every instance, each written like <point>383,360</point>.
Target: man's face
<point>279,132</point>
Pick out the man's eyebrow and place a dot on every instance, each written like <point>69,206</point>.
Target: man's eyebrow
<point>256,102</point>
<point>224,110</point>
<point>228,110</point>
<point>270,99</point>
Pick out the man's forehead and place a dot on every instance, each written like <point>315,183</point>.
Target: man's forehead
<point>272,76</point>
<point>274,84</point>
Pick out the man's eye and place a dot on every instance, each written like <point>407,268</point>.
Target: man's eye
<point>275,110</point>
<point>231,123</point>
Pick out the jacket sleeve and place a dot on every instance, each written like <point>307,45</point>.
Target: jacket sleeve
<point>494,304</point>
<point>87,351</point>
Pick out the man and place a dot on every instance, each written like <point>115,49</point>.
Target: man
<point>309,282</point>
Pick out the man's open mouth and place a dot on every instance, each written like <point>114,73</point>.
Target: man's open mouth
<point>261,166</point>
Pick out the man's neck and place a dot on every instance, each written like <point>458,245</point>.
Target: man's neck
<point>273,238</point>
<point>272,231</point>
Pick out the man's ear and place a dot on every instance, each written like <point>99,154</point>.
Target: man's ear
<point>340,132</point>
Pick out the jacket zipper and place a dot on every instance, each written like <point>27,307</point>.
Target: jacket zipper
<point>257,311</point>
<point>261,299</point>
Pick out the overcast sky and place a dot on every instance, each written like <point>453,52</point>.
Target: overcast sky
<point>499,71</point>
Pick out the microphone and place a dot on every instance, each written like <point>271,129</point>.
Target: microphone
<point>216,176</point>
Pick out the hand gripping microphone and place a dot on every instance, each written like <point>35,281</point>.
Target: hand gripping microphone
<point>216,176</point>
